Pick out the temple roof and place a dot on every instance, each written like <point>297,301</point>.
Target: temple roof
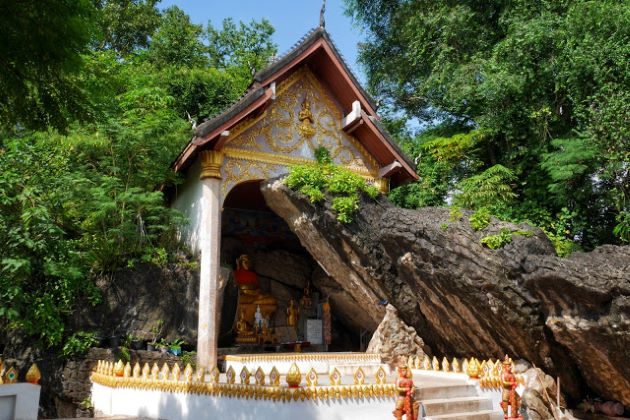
<point>318,52</point>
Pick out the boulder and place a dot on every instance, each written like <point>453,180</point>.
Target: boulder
<point>570,316</point>
<point>393,339</point>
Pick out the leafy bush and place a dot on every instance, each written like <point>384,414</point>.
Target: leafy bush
<point>78,343</point>
<point>480,219</point>
<point>315,180</point>
<point>499,240</point>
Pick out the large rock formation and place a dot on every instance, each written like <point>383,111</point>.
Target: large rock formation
<point>570,317</point>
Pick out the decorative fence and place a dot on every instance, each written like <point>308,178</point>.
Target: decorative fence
<point>264,387</point>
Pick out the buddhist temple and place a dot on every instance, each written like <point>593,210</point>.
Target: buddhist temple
<point>304,100</point>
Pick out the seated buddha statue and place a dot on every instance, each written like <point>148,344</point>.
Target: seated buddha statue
<point>251,299</point>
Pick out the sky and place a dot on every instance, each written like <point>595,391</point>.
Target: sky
<point>291,19</point>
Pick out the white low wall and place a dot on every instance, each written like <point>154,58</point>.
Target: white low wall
<point>19,401</point>
<point>167,405</point>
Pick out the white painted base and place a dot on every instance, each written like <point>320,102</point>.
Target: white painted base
<point>19,401</point>
<point>165,405</point>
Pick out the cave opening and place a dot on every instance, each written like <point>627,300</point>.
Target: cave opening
<point>284,271</point>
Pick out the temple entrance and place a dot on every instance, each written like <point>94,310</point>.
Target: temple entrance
<point>276,298</point>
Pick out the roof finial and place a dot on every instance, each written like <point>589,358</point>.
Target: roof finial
<point>322,22</point>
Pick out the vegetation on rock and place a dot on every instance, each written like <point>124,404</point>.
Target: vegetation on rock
<point>324,177</point>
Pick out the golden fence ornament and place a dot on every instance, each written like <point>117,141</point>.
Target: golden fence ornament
<point>312,378</point>
<point>435,364</point>
<point>136,370</point>
<point>335,377</point>
<point>127,370</point>
<point>455,365</point>
<point>259,376</point>
<point>176,372</point>
<point>381,376</point>
<point>230,375</point>
<point>10,376</point>
<point>214,375</point>
<point>274,377</point>
<point>33,375</point>
<point>244,376</point>
<point>146,371</point>
<point>155,371</point>
<point>359,377</point>
<point>294,377</point>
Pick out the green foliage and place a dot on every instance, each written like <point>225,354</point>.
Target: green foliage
<point>126,25</point>
<point>622,230</point>
<point>324,177</point>
<point>78,343</point>
<point>88,200</point>
<point>41,49</point>
<point>189,358</point>
<point>444,226</point>
<point>177,41</point>
<point>490,189</point>
<point>499,240</point>
<point>480,219</point>
<point>454,214</point>
<point>544,84</point>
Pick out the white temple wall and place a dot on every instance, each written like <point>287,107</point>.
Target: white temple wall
<point>19,401</point>
<point>189,202</point>
<point>165,405</point>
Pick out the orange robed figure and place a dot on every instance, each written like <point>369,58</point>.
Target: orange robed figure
<point>405,404</point>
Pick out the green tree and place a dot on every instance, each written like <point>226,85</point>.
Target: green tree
<point>177,41</point>
<point>546,82</point>
<point>40,60</point>
<point>126,25</point>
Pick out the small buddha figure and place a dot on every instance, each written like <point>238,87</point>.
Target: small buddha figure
<point>292,314</point>
<point>258,317</point>
<point>405,404</point>
<point>242,328</point>
<point>509,397</point>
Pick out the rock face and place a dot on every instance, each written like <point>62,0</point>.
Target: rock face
<point>394,339</point>
<point>570,317</point>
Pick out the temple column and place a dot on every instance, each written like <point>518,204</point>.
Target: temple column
<point>210,247</point>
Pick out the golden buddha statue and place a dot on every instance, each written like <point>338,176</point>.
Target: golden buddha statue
<point>306,118</point>
<point>242,327</point>
<point>250,300</point>
<point>292,314</point>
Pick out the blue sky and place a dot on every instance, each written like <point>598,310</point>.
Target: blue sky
<point>291,18</point>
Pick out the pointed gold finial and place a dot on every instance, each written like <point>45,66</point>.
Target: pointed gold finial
<point>294,377</point>
<point>165,372</point>
<point>155,371</point>
<point>435,364</point>
<point>426,363</point>
<point>312,378</point>
<point>136,370</point>
<point>188,373</point>
<point>455,364</point>
<point>446,366</point>
<point>177,373</point>
<point>146,371</point>
<point>127,370</point>
<point>119,368</point>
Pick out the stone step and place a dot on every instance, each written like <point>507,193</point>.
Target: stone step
<point>445,391</point>
<point>474,415</point>
<point>435,407</point>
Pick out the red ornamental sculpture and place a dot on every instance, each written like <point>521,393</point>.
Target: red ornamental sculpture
<point>405,404</point>
<point>510,398</point>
